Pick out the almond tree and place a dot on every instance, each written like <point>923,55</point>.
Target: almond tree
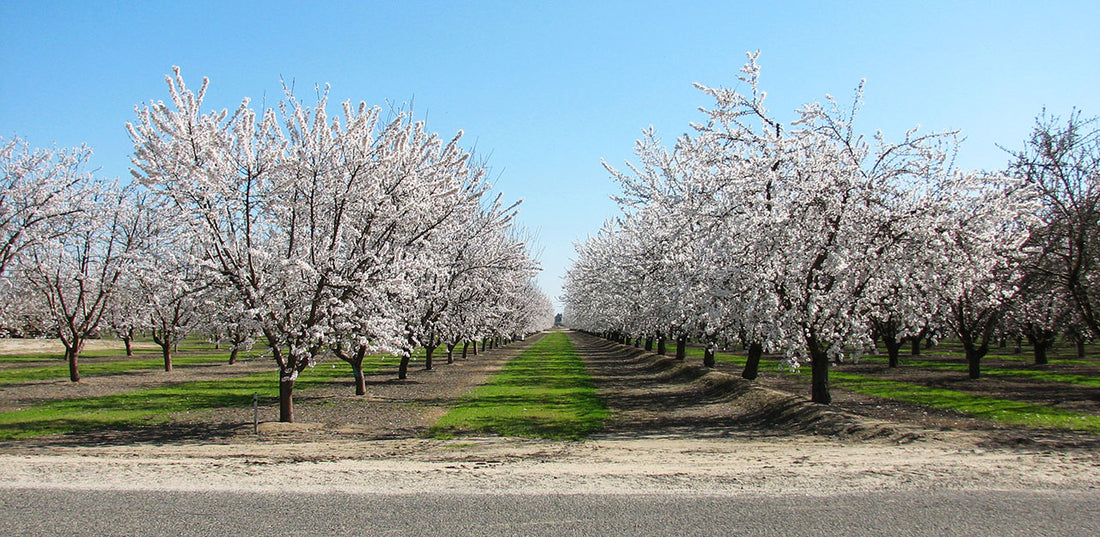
<point>976,236</point>
<point>169,286</point>
<point>77,271</point>
<point>39,189</point>
<point>297,213</point>
<point>1061,161</point>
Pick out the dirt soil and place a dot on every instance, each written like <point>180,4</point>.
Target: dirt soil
<point>673,427</point>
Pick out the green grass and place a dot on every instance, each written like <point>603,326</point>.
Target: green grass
<point>545,392</point>
<point>156,405</point>
<point>60,356</point>
<point>1035,374</point>
<point>141,407</point>
<point>999,410</point>
<point>1004,411</point>
<point>122,364</point>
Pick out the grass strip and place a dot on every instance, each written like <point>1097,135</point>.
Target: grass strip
<point>1046,376</point>
<point>60,356</point>
<point>544,392</point>
<point>155,405</point>
<point>999,410</point>
<point>123,364</point>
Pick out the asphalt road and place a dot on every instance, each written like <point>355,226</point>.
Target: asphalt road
<point>33,512</point>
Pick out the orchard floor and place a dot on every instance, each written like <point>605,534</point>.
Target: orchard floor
<point>672,428</point>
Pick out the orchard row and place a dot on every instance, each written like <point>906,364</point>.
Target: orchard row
<point>810,239</point>
<point>342,236</point>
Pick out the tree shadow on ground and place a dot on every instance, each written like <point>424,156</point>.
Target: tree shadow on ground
<point>125,436</point>
<point>658,397</point>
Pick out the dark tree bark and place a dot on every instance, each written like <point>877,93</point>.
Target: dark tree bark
<point>163,338</point>
<point>1042,340</point>
<point>893,351</point>
<point>451,353</point>
<point>819,372</point>
<point>360,380</point>
<point>662,346</point>
<point>708,356</point>
<point>72,356</point>
<point>752,364</point>
<point>649,343</point>
<point>233,355</point>
<point>356,362</point>
<point>403,367</point>
<point>465,349</point>
<point>286,400</point>
<point>975,331</point>
<point>888,331</point>
<point>128,341</point>
<point>681,347</point>
<point>975,350</point>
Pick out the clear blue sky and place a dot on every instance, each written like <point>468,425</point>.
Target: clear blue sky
<point>545,90</point>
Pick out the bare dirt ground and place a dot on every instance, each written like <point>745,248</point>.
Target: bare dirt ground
<point>673,428</point>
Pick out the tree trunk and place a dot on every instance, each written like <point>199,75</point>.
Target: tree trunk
<point>128,340</point>
<point>233,355</point>
<point>465,347</point>
<point>681,347</point>
<point>893,349</point>
<point>428,352</point>
<point>662,346</point>
<point>163,338</point>
<point>974,355</point>
<point>752,364</point>
<point>915,349</point>
<point>649,344</point>
<point>1080,347</point>
<point>1041,353</point>
<point>450,353</point>
<point>356,363</point>
<point>72,355</point>
<point>819,373</point>
<point>403,367</point>
<point>360,380</point>
<point>887,331</point>
<point>708,356</point>
<point>286,398</point>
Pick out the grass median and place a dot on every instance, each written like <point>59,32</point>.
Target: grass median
<point>1006,411</point>
<point>153,406</point>
<point>545,392</point>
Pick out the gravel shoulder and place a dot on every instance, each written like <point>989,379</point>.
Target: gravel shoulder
<point>672,428</point>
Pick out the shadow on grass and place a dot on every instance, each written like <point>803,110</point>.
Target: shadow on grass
<point>111,435</point>
<point>656,396</point>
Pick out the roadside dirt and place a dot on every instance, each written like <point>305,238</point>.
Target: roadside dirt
<point>673,427</point>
